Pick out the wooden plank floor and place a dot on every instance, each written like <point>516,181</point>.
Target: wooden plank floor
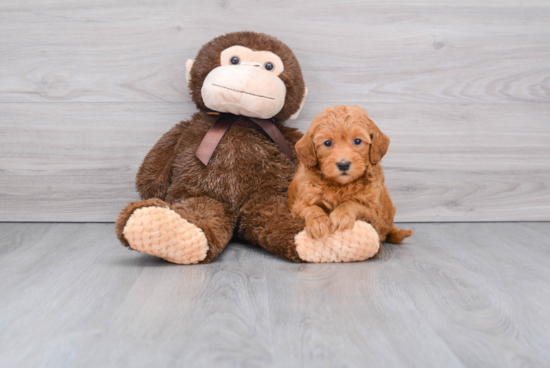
<point>454,295</point>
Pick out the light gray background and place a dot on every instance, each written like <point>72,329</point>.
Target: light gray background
<point>462,88</point>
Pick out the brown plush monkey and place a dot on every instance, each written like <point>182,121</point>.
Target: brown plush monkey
<point>215,176</point>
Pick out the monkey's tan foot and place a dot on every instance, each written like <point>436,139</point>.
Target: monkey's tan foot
<point>161,232</point>
<point>357,244</point>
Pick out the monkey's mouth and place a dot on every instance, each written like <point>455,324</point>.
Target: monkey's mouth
<point>248,93</point>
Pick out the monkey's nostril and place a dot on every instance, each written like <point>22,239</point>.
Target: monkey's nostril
<point>343,165</point>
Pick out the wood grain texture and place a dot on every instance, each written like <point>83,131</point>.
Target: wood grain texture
<point>453,295</point>
<point>86,88</point>
<point>369,52</point>
<point>77,162</point>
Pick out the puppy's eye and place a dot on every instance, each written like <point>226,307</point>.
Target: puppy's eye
<point>328,143</point>
<point>268,66</point>
<point>235,60</point>
<point>357,141</point>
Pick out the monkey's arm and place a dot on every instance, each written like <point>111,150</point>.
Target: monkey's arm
<point>153,177</point>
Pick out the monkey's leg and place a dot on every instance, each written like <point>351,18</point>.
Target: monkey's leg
<point>266,221</point>
<point>187,232</point>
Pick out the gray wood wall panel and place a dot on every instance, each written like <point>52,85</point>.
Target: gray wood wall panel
<point>462,90</point>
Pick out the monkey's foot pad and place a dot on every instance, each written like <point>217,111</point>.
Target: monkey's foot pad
<point>161,232</point>
<point>353,245</point>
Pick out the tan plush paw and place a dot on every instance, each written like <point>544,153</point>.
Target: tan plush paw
<point>357,244</point>
<point>161,232</point>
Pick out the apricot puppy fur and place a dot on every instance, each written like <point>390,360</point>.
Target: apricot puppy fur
<point>339,178</point>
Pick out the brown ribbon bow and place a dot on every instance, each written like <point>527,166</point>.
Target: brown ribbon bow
<point>215,134</point>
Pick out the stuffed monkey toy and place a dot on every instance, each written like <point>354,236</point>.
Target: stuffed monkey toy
<point>226,171</point>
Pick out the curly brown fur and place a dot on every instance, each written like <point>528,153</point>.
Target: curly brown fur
<point>266,219</point>
<point>153,177</point>
<point>332,199</point>
<point>244,186</point>
<point>214,218</point>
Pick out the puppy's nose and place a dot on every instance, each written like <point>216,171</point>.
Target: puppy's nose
<point>343,165</point>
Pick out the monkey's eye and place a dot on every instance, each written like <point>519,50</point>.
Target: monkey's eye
<point>234,60</point>
<point>328,143</point>
<point>268,66</point>
<point>357,141</point>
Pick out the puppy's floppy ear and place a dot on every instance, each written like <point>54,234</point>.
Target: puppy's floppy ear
<point>305,149</point>
<point>379,145</point>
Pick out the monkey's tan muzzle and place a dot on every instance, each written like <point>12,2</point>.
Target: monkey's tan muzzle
<point>244,90</point>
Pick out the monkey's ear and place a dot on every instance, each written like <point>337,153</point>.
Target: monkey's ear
<point>188,66</point>
<point>295,115</point>
<point>305,149</point>
<point>379,145</point>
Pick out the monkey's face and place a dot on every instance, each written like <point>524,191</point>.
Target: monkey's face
<point>246,83</point>
<point>247,73</point>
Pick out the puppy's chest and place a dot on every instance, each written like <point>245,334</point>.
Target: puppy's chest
<point>329,201</point>
<point>330,198</point>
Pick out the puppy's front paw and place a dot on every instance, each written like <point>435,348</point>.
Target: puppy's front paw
<point>318,227</point>
<point>341,221</point>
